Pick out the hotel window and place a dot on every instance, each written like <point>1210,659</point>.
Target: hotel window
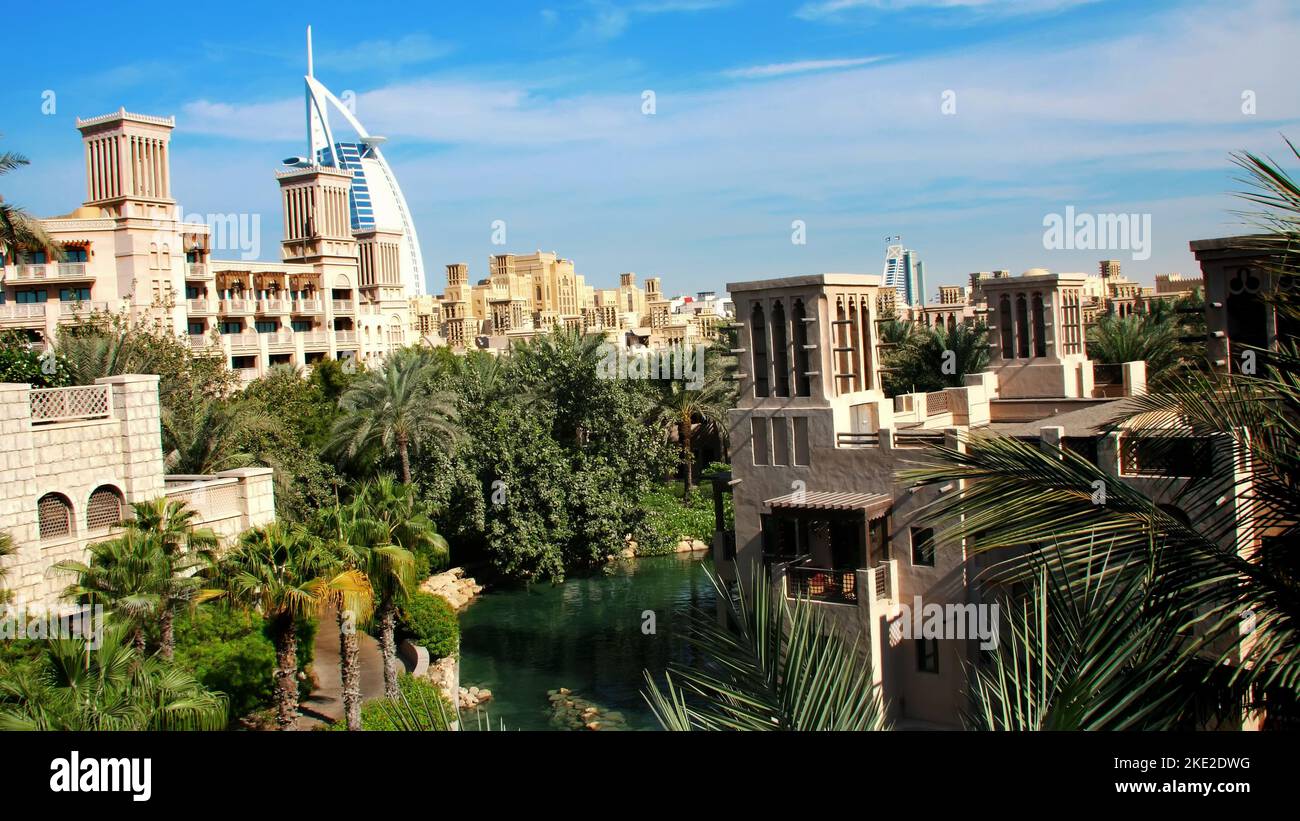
<point>758,341</point>
<point>927,655</point>
<point>74,255</point>
<point>54,516</point>
<point>780,441</point>
<point>196,329</point>
<point>104,510</point>
<point>758,434</point>
<point>232,327</point>
<point>191,292</point>
<point>923,547</point>
<point>32,258</point>
<point>74,294</point>
<point>302,325</point>
<point>30,297</point>
<point>265,326</point>
<point>801,455</point>
<point>780,352</point>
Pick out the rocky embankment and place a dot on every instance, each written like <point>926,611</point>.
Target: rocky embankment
<point>684,545</point>
<point>454,586</point>
<point>570,712</point>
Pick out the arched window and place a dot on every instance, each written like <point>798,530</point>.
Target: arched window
<point>1022,327</point>
<point>758,340</point>
<point>780,351</point>
<point>105,508</point>
<point>1040,327</point>
<point>54,516</point>
<point>801,384</point>
<point>952,323</point>
<point>1005,328</point>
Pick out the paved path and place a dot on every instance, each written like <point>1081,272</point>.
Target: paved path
<point>325,704</point>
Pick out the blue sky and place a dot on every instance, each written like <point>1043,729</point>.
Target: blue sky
<point>826,111</point>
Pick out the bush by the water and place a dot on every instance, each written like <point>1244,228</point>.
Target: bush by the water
<point>428,620</point>
<point>668,521</point>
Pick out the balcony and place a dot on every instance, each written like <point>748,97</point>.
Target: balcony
<point>247,374</point>
<point>345,337</point>
<point>306,306</point>
<point>31,313</point>
<point>199,307</point>
<point>236,307</point>
<point>279,339</point>
<point>272,306</point>
<point>343,306</point>
<point>314,339</point>
<point>199,341</point>
<point>822,584</point>
<point>71,310</point>
<point>247,339</point>
<point>197,270</point>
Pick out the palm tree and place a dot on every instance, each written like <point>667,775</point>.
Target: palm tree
<point>1150,338</point>
<point>127,575</point>
<point>208,437</point>
<point>6,549</point>
<point>285,574</point>
<point>394,408</point>
<point>18,229</point>
<point>347,538</point>
<point>171,525</point>
<point>682,407</point>
<point>926,359</point>
<point>106,687</point>
<point>770,666</point>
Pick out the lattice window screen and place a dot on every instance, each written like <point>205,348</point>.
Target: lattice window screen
<point>54,515</point>
<point>104,509</point>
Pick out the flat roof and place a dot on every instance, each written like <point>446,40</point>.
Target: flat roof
<point>873,504</point>
<point>805,280</point>
<point>1087,421</point>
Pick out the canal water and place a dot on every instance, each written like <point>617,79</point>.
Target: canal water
<point>588,636</point>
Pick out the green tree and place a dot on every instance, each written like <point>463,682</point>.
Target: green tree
<point>682,406</point>
<point>127,575</point>
<point>928,360</point>
<point>396,410</point>
<point>171,526</point>
<point>19,230</point>
<point>1151,338</point>
<point>20,363</point>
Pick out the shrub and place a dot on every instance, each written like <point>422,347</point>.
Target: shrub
<point>430,621</point>
<point>668,520</point>
<point>227,651</point>
<point>419,712</point>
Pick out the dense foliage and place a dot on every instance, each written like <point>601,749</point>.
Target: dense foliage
<point>21,363</point>
<point>922,360</point>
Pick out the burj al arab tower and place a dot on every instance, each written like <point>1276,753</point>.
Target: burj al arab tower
<point>376,200</point>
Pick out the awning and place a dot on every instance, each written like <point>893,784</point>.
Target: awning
<point>873,504</point>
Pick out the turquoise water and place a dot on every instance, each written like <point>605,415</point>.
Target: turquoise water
<point>584,635</point>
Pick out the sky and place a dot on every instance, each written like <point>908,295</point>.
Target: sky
<point>959,125</point>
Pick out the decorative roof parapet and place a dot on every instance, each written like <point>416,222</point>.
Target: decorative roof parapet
<point>122,113</point>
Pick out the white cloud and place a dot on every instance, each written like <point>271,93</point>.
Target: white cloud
<point>797,67</point>
<point>835,9</point>
<point>410,49</point>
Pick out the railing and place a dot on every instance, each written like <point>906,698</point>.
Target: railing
<point>306,306</point>
<point>200,306</point>
<point>37,271</point>
<point>24,310</point>
<point>1181,456</point>
<point>1107,373</point>
<point>79,308</point>
<point>312,338</point>
<point>343,337</point>
<point>280,338</point>
<point>342,306</point>
<point>936,403</point>
<point>211,499</point>
<point>917,439</point>
<point>822,584</point>
<point>235,306</point>
<point>245,339</point>
<point>247,374</point>
<point>66,404</point>
<point>272,306</point>
<point>198,270</point>
<point>72,270</point>
<point>199,341</point>
<point>857,440</point>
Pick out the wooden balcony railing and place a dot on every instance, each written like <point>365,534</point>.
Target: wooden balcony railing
<point>822,584</point>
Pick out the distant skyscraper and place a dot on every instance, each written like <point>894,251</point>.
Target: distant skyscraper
<point>376,201</point>
<point>905,273</point>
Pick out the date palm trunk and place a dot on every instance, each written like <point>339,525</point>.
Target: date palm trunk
<point>405,457</point>
<point>286,672</point>
<point>348,671</point>
<point>167,631</point>
<point>388,646</point>
<point>688,458</point>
